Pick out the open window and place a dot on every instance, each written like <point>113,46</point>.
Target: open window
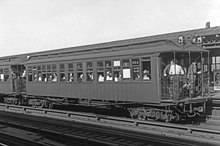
<point>89,72</point>
<point>136,69</point>
<point>80,77</point>
<point>62,72</point>
<point>117,77</point>
<point>146,69</point>
<point>100,71</point>
<point>70,72</point>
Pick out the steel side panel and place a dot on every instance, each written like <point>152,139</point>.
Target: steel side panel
<point>6,87</point>
<point>137,92</point>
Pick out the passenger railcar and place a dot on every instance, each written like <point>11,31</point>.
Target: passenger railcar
<point>130,76</point>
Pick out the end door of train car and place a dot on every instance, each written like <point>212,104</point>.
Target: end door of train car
<point>12,75</point>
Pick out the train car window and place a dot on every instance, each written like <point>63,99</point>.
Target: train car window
<point>89,72</point>
<point>1,75</point>
<point>38,67</point>
<point>117,75</point>
<point>6,74</point>
<point>89,65</point>
<point>44,73</point>
<point>117,63</point>
<point>136,73</point>
<point>34,69</point>
<point>99,64</point>
<point>70,66</point>
<point>80,77</point>
<point>146,70</point>
<point>62,73</point>
<point>126,71</point>
<point>136,69</point>
<point>135,62</point>
<point>48,67</point>
<point>54,67</point>
<point>70,77</point>
<point>117,71</point>
<point>62,67</point>
<point>30,74</point>
<point>70,74</point>
<point>44,76</point>
<point>108,64</point>
<point>43,68</point>
<point>100,71</point>
<point>49,74</point>
<point>126,63</point>
<point>54,77</point>
<point>108,72</point>
<point>54,73</point>
<point>39,74</point>
<point>62,77</point>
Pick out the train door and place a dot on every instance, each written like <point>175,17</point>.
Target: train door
<point>18,78</point>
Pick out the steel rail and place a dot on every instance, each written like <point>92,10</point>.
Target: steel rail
<point>155,139</point>
<point>105,120</point>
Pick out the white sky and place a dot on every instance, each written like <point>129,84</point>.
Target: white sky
<point>38,25</point>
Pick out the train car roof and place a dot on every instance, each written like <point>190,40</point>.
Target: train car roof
<point>130,50</point>
<point>169,36</point>
<point>123,43</point>
<point>12,60</point>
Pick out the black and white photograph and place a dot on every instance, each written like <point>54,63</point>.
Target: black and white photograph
<point>109,73</point>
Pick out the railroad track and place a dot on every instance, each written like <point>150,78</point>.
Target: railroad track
<point>95,129</point>
<point>10,136</point>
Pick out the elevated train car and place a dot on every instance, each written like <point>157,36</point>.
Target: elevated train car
<point>127,74</point>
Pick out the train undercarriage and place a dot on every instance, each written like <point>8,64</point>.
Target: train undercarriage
<point>173,112</point>
<point>183,110</point>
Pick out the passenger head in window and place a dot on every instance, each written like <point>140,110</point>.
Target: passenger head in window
<point>108,76</point>
<point>146,75</point>
<point>117,76</point>
<point>100,77</point>
<point>54,77</point>
<point>71,77</point>
<point>49,77</point>
<point>90,77</point>
<point>81,78</point>
<point>137,77</point>
<point>39,77</point>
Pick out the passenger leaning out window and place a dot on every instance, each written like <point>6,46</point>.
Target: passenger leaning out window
<point>100,77</point>
<point>108,76</point>
<point>146,75</point>
<point>81,78</point>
